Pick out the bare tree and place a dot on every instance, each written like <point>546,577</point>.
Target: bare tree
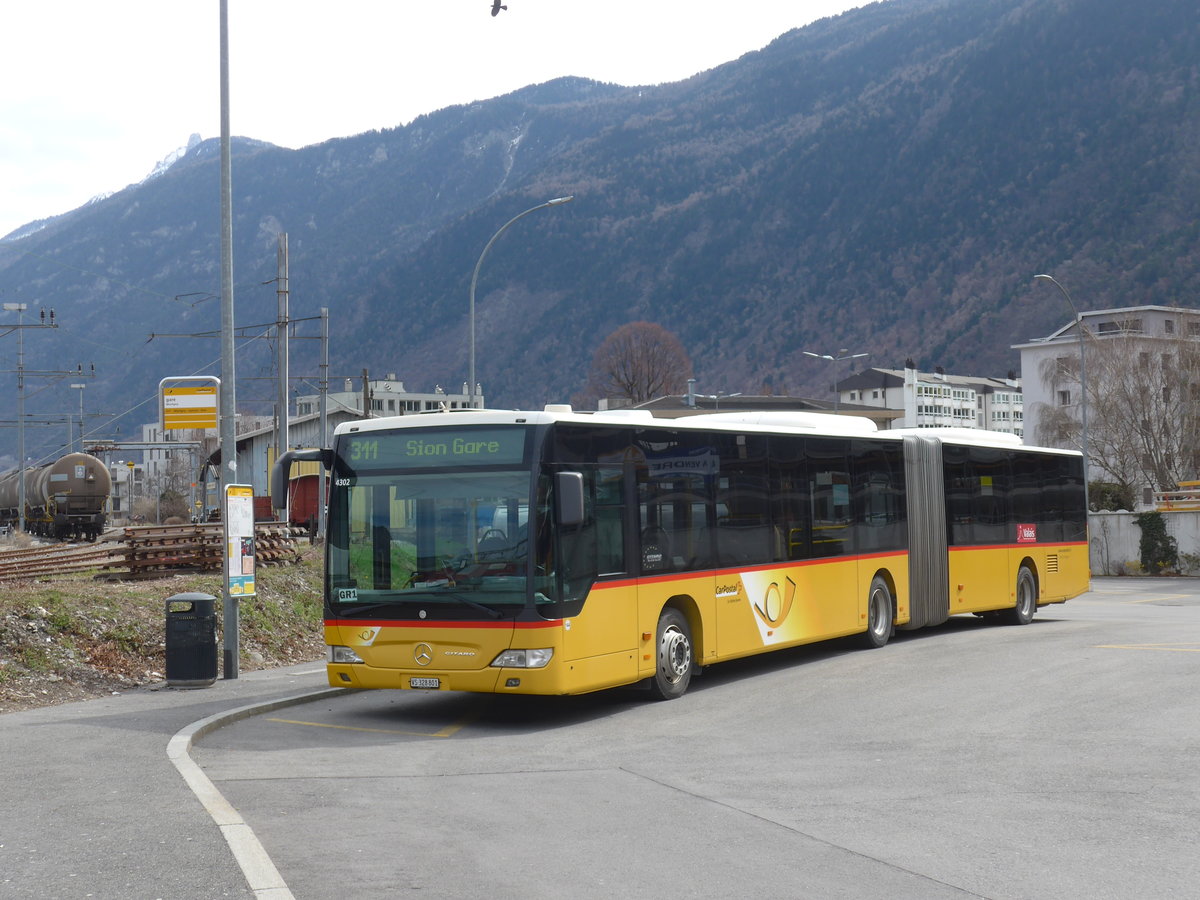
<point>638,362</point>
<point>1143,399</point>
<point>166,492</point>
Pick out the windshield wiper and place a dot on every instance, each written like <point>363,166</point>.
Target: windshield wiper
<point>466,601</point>
<point>368,607</point>
<point>494,613</point>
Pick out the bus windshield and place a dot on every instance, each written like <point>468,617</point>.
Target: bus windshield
<point>455,539</point>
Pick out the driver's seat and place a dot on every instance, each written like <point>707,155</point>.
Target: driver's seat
<point>495,542</point>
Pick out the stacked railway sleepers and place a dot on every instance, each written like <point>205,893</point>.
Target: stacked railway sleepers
<point>152,551</point>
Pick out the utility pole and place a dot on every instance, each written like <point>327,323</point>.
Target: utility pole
<point>228,400</point>
<point>281,331</point>
<point>19,328</point>
<point>324,427</point>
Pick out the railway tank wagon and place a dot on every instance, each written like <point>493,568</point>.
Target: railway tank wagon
<point>65,499</point>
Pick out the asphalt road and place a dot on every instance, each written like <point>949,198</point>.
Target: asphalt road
<point>1055,760</point>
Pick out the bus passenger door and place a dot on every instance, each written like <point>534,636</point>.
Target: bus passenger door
<point>674,549</point>
<point>600,641</point>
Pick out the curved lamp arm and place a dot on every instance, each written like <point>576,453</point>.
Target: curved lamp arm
<point>557,201</point>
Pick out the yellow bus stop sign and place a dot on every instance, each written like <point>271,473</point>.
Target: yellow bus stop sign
<point>194,406</point>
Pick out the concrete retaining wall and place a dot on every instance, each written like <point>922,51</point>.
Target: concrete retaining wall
<point>1115,537</point>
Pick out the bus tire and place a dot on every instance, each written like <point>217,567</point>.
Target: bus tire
<point>674,642</point>
<point>1022,611</point>
<point>880,614</point>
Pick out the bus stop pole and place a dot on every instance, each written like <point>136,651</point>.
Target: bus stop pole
<point>228,429</point>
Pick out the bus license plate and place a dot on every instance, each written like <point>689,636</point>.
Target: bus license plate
<point>426,683</point>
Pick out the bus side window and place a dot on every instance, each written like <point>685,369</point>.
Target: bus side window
<point>989,498</point>
<point>1075,516</point>
<point>879,509</point>
<point>610,519</point>
<point>674,523</point>
<point>957,479</point>
<point>789,500</point>
<point>829,495</point>
<point>656,521</point>
<point>596,546</point>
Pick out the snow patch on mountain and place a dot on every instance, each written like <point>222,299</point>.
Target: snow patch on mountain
<point>169,160</point>
<point>173,157</point>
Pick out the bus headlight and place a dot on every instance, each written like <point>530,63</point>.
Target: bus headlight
<point>523,659</point>
<point>337,654</point>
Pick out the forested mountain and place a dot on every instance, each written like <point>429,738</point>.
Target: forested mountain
<point>888,180</point>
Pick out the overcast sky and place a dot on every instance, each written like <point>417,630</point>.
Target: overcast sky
<point>95,94</point>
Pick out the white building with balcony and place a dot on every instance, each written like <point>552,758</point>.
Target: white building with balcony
<point>388,397</point>
<point>938,399</point>
<point>1051,364</point>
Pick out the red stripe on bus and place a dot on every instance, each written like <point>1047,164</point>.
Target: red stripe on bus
<point>757,567</point>
<point>434,623</point>
<point>1044,545</point>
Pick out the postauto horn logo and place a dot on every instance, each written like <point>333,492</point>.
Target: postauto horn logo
<point>772,596</point>
<point>775,605</point>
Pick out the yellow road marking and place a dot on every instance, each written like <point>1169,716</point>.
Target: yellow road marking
<point>1173,648</point>
<point>1163,597</point>
<point>448,731</point>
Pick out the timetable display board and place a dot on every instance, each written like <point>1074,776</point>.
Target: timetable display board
<point>239,540</point>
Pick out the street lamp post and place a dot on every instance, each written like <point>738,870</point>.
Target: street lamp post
<point>80,387</point>
<point>557,201</point>
<point>1083,408</point>
<point>842,354</point>
<point>718,397</point>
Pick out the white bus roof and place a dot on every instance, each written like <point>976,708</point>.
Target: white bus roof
<point>810,422</point>
<point>798,422</point>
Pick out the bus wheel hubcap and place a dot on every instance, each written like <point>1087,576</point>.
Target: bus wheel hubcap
<point>674,654</point>
<point>880,610</point>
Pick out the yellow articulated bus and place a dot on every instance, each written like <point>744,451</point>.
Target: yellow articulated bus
<point>557,552</point>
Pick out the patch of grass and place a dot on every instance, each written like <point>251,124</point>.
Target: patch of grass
<point>72,636</point>
<point>127,637</point>
<point>35,658</point>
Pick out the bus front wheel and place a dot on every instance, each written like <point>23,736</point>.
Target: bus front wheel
<point>674,672</point>
<point>879,614</point>
<point>1022,611</point>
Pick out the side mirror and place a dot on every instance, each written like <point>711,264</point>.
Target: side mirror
<point>282,470</point>
<point>568,491</point>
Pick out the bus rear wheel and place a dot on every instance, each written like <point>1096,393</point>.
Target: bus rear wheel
<point>879,614</point>
<point>1022,611</point>
<point>674,671</point>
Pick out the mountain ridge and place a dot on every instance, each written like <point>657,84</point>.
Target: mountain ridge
<point>886,180</point>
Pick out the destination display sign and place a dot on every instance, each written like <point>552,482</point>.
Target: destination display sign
<point>428,448</point>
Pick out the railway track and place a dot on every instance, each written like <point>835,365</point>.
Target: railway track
<point>49,559</point>
<point>150,551</point>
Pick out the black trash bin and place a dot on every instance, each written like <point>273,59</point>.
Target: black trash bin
<point>191,640</point>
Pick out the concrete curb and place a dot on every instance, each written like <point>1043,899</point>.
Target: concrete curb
<point>264,879</point>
